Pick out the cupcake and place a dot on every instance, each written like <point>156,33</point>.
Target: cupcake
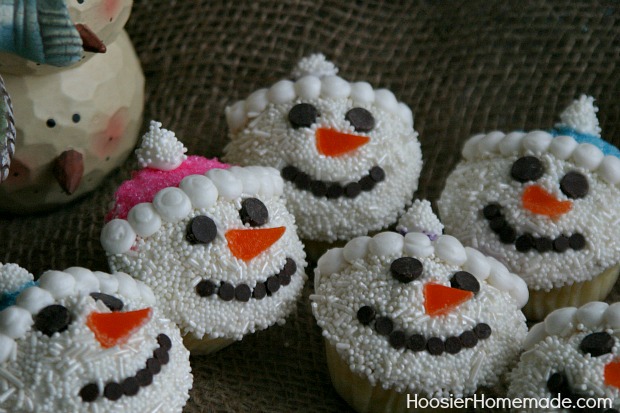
<point>215,242</point>
<point>544,204</point>
<point>572,357</point>
<point>404,316</point>
<point>82,341</point>
<point>348,153</point>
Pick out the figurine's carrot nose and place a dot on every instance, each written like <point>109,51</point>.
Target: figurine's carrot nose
<point>246,244</point>
<point>116,327</point>
<point>538,201</point>
<point>330,142</point>
<point>440,299</point>
<point>90,41</point>
<point>612,374</point>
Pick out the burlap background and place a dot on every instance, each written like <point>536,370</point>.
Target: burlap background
<point>463,67</point>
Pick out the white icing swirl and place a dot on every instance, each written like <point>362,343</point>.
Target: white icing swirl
<point>228,186</point>
<point>117,236</point>
<point>200,190</point>
<point>59,284</point>
<point>34,299</point>
<point>15,322</point>
<point>144,219</point>
<point>172,204</point>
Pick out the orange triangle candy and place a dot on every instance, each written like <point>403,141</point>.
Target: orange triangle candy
<point>537,200</point>
<point>439,299</point>
<point>115,328</point>
<point>330,142</point>
<point>612,374</point>
<point>246,244</point>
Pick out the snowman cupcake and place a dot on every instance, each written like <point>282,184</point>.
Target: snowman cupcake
<point>544,204</point>
<point>82,341</point>
<point>574,354</point>
<point>348,153</point>
<point>215,243</point>
<point>404,315</point>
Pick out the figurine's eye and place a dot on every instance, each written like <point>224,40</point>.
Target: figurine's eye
<point>597,344</point>
<point>253,212</point>
<point>302,115</point>
<point>465,281</point>
<point>113,303</point>
<point>574,185</point>
<point>52,319</point>
<point>406,269</point>
<point>361,119</point>
<point>201,230</point>
<point>527,168</point>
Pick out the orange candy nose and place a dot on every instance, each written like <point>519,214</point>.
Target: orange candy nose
<point>330,142</point>
<point>439,299</point>
<point>612,374</point>
<point>115,328</point>
<point>246,244</point>
<point>537,200</point>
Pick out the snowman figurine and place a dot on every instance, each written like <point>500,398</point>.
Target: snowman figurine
<point>74,123</point>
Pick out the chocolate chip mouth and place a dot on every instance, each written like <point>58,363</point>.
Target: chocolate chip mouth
<point>243,292</point>
<point>415,342</point>
<point>558,385</point>
<point>526,242</point>
<point>130,386</point>
<point>333,190</point>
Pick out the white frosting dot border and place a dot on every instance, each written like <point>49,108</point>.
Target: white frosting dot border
<point>17,320</point>
<point>538,142</point>
<point>173,204</point>
<point>445,247</point>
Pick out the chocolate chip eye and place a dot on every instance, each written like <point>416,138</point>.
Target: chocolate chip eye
<point>253,212</point>
<point>574,185</point>
<point>201,230</point>
<point>527,168</point>
<point>113,303</point>
<point>361,119</point>
<point>406,269</point>
<point>52,319</point>
<point>302,115</point>
<point>597,344</point>
<point>465,281</point>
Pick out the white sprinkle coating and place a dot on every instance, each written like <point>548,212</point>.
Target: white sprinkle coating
<point>342,289</point>
<point>44,374</point>
<point>479,181</point>
<point>581,116</point>
<point>160,149</point>
<point>264,136</point>
<point>556,349</point>
<point>315,65</point>
<point>420,218</point>
<point>172,266</point>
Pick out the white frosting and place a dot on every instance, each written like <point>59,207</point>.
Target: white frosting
<point>315,65</point>
<point>200,190</point>
<point>553,346</point>
<point>160,149</point>
<point>584,155</point>
<point>34,299</point>
<point>445,248</point>
<point>117,236</point>
<point>483,179</point>
<point>194,192</point>
<point>144,218</point>
<point>310,73</point>
<point>420,218</point>
<point>264,136</point>
<point>172,266</point>
<point>347,279</point>
<point>581,116</point>
<point>59,284</point>
<point>45,373</point>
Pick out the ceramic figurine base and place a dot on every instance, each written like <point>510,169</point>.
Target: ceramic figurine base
<point>93,110</point>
